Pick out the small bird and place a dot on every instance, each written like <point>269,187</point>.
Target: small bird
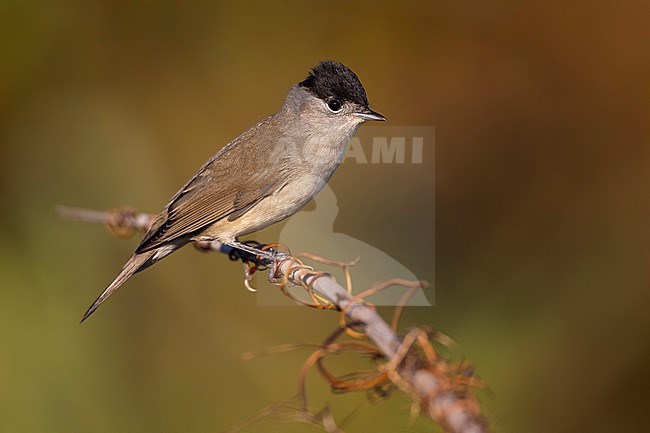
<point>263,176</point>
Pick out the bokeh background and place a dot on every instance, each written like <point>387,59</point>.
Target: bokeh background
<point>541,205</point>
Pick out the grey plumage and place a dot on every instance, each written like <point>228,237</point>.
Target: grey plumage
<point>264,175</point>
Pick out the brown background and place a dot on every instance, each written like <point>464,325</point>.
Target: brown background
<point>541,180</point>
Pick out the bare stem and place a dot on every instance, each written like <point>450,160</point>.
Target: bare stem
<point>431,390</point>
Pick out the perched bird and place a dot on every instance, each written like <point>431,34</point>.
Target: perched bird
<point>263,176</point>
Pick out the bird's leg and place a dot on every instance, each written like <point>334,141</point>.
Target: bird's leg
<point>271,256</point>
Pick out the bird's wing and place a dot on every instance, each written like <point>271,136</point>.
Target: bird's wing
<point>220,189</point>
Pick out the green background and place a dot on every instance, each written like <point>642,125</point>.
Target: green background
<point>541,194</point>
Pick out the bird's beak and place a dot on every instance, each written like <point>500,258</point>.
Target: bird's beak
<point>368,114</point>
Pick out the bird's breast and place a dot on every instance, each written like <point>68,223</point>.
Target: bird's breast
<point>307,165</point>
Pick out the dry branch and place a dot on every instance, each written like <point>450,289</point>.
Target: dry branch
<point>412,363</point>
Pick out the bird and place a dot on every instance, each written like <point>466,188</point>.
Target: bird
<point>263,176</point>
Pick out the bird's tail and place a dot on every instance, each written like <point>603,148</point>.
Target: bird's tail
<point>136,263</point>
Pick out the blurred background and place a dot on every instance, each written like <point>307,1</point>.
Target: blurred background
<point>541,205</point>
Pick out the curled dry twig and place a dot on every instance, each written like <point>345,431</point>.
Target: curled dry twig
<point>439,389</point>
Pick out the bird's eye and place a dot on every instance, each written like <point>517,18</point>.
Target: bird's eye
<point>334,105</point>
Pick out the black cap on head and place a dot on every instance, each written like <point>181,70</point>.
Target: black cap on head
<point>331,79</point>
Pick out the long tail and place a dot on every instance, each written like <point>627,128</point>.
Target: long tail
<point>136,263</point>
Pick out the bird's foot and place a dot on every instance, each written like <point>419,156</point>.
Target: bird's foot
<point>265,252</point>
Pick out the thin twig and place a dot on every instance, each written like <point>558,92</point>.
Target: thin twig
<point>452,409</point>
